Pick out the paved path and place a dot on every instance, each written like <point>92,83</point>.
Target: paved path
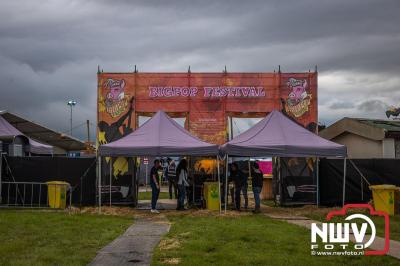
<point>162,204</point>
<point>378,244</point>
<point>135,246</point>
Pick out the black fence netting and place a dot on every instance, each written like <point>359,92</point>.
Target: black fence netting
<point>298,181</point>
<point>375,171</point>
<point>80,173</point>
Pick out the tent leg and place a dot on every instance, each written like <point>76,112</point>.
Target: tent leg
<point>247,179</point>
<point>317,182</point>
<point>193,189</point>
<point>344,180</point>
<point>1,174</point>
<point>226,183</point>
<point>219,186</point>
<point>362,189</point>
<point>110,179</point>
<point>279,201</point>
<point>249,168</point>
<point>134,180</point>
<point>99,180</point>
<point>137,172</point>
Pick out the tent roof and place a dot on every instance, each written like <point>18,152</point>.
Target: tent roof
<point>277,135</point>
<point>43,134</point>
<point>8,131</point>
<point>160,135</point>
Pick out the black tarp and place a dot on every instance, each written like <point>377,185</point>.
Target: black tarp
<point>298,181</point>
<point>79,172</point>
<point>376,171</point>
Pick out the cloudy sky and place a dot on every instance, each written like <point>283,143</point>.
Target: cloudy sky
<point>49,50</point>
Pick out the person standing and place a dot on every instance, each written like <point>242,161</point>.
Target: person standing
<point>257,183</point>
<point>171,173</point>
<point>155,184</point>
<point>182,174</point>
<point>239,179</point>
<point>244,191</point>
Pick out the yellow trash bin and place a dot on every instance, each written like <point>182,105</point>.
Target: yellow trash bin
<point>385,198</point>
<point>211,195</point>
<point>57,194</point>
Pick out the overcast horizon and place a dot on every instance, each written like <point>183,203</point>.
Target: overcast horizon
<point>50,50</point>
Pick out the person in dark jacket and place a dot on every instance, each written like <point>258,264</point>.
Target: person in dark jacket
<point>155,182</point>
<point>239,180</point>
<point>257,183</point>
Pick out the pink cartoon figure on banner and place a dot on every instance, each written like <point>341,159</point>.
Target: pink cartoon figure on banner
<point>116,88</point>
<point>298,100</point>
<point>116,101</point>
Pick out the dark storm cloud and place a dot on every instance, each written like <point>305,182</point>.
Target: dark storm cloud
<point>49,50</point>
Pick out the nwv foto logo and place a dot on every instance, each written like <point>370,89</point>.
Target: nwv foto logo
<point>337,236</point>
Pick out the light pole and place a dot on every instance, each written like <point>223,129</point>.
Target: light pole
<point>71,103</point>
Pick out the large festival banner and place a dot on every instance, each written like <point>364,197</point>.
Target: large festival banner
<point>205,99</point>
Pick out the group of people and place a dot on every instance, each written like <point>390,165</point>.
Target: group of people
<point>177,180</point>
<point>239,179</point>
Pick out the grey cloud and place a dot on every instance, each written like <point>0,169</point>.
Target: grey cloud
<point>50,51</point>
<point>342,105</point>
<point>373,105</point>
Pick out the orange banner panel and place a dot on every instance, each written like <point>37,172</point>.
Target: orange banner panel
<point>207,98</point>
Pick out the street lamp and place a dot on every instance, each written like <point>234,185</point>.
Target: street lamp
<point>71,103</point>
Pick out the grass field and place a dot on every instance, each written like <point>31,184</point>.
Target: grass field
<point>245,240</point>
<point>55,238</point>
<point>196,238</point>
<point>394,222</point>
<point>319,214</point>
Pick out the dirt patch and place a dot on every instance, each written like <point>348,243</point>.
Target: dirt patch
<point>169,243</point>
<point>160,218</point>
<point>171,261</point>
<point>304,211</point>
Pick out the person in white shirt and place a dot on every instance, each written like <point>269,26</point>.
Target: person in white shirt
<point>172,180</point>
<point>182,174</point>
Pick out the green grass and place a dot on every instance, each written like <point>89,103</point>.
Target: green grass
<point>246,240</point>
<point>146,195</point>
<point>379,222</point>
<point>55,238</point>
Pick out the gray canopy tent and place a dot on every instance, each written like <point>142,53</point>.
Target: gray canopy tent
<point>159,136</point>
<point>277,135</point>
<point>9,133</point>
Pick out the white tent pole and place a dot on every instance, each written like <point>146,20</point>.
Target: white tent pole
<point>344,180</point>
<point>279,180</point>
<point>226,183</point>
<point>99,180</point>
<point>110,177</point>
<point>1,173</point>
<point>249,168</point>
<point>219,186</point>
<point>194,186</point>
<point>362,188</point>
